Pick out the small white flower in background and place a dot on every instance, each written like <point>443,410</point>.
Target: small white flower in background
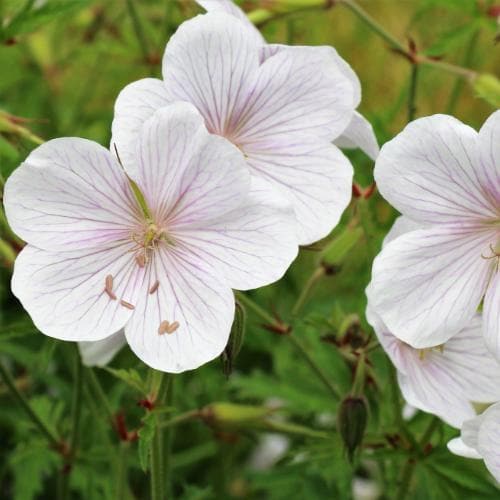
<point>97,261</point>
<point>281,108</point>
<point>427,284</point>
<point>445,379</point>
<point>480,438</point>
<point>101,352</point>
<point>359,133</point>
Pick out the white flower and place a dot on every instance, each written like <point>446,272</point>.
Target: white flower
<point>281,106</point>
<point>98,261</point>
<point>429,282</point>
<point>447,378</point>
<point>359,133</point>
<point>480,438</point>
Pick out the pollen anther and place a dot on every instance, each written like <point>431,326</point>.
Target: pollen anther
<point>128,305</point>
<point>155,286</point>
<point>108,287</point>
<point>167,327</point>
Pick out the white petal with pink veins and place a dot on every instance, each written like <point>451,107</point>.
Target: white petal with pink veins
<point>300,89</point>
<point>70,193</point>
<point>229,7</point>
<point>253,245</point>
<point>186,174</point>
<point>314,175</point>
<point>458,447</point>
<point>359,134</point>
<point>488,440</point>
<point>101,352</point>
<point>65,292</point>
<point>184,320</point>
<point>491,309</point>
<point>209,62</point>
<point>489,144</point>
<point>430,172</point>
<point>136,103</point>
<point>428,283</point>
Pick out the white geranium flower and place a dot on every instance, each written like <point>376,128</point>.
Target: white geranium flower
<point>282,108</point>
<point>446,379</point>
<point>359,133</point>
<point>429,282</point>
<point>98,260</point>
<point>480,438</point>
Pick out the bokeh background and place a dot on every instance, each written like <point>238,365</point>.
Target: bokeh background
<point>62,64</point>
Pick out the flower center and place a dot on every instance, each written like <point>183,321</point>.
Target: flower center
<point>147,240</point>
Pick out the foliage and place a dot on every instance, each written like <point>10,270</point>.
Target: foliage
<point>63,64</point>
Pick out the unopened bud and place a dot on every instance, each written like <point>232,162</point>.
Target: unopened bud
<point>233,415</point>
<point>335,253</point>
<point>487,87</point>
<point>351,423</point>
<point>235,341</point>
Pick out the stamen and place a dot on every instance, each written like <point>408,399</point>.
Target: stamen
<point>140,258</point>
<point>167,327</point>
<point>128,305</point>
<point>108,287</point>
<point>155,286</point>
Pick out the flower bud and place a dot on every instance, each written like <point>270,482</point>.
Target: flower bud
<point>487,87</point>
<point>235,341</point>
<point>351,422</point>
<point>337,250</point>
<point>233,415</point>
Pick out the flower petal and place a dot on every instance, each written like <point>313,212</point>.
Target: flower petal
<point>297,89</point>
<point>491,308</point>
<point>458,447</point>
<point>101,352</point>
<point>314,175</point>
<point>359,134</point>
<point>488,440</point>
<point>190,293</point>
<point>470,431</point>
<point>70,194</point>
<point>64,292</point>
<point>136,103</point>
<point>229,7</point>
<point>429,172</point>
<point>489,144</point>
<point>208,62</point>
<point>402,225</point>
<point>428,283</point>
<point>253,245</point>
<point>186,174</point>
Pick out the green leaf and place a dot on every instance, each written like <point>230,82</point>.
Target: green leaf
<point>131,377</point>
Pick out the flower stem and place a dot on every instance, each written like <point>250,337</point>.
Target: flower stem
<point>179,419</point>
<point>253,306</point>
<point>9,382</point>
<point>121,470</point>
<point>306,290</point>
<point>412,95</point>
<point>98,392</point>
<point>406,477</point>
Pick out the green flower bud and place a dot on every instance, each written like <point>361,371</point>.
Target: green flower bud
<point>487,87</point>
<point>233,415</point>
<point>337,250</point>
<point>351,422</point>
<point>235,341</point>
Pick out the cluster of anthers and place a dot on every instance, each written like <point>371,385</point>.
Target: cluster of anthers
<point>146,242</point>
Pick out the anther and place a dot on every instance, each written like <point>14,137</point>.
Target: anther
<point>140,258</point>
<point>108,288</point>
<point>167,327</point>
<point>155,286</point>
<point>128,305</point>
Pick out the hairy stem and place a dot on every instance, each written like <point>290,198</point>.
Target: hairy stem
<point>306,290</point>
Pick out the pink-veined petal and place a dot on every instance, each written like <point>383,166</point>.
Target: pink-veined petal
<point>313,174</point>
<point>297,89</point>
<point>488,439</point>
<point>458,447</point>
<point>190,293</point>
<point>402,225</point>
<point>491,310</point>
<point>101,352</point>
<point>229,7</point>
<point>489,144</point>
<point>208,62</point>
<point>470,431</point>
<point>186,174</point>
<point>429,172</point>
<point>445,380</point>
<point>253,245</point>
<point>69,194</point>
<point>428,283</point>
<point>64,292</point>
<point>137,102</point>
<point>359,134</point>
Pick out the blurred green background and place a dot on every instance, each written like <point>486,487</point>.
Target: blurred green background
<point>62,64</point>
